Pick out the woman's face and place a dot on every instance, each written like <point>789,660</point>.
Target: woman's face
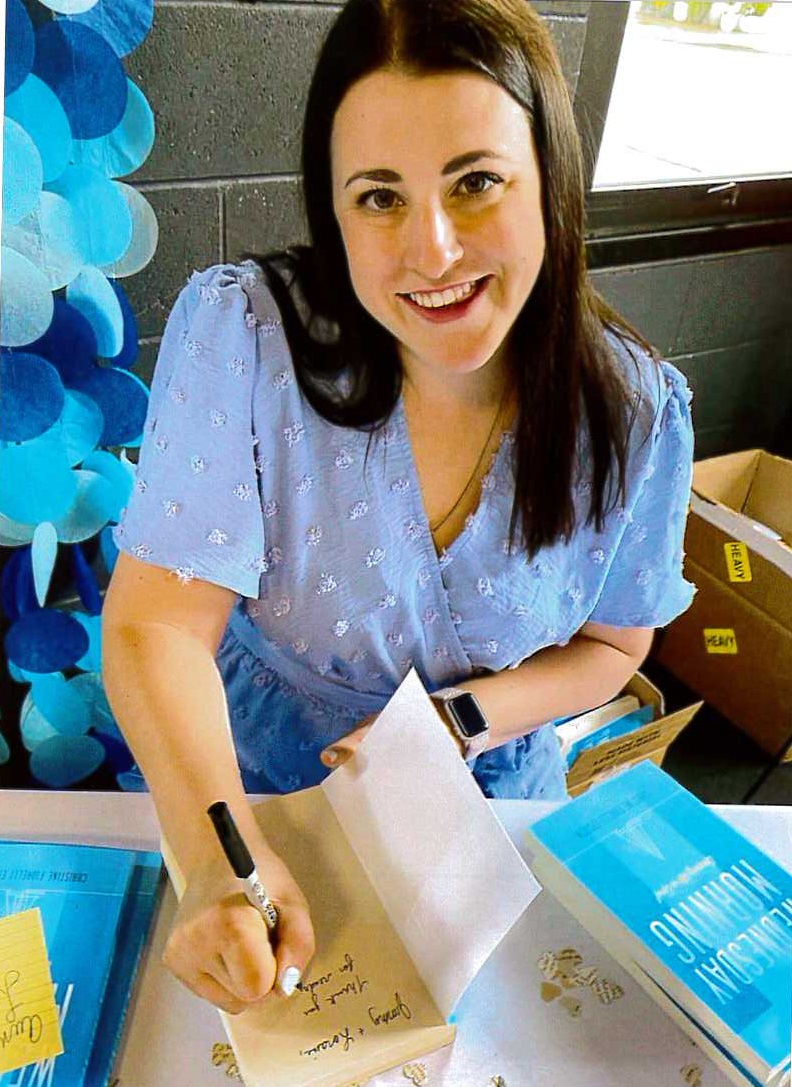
<point>436,188</point>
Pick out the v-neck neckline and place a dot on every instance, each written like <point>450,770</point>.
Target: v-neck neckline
<point>447,554</point>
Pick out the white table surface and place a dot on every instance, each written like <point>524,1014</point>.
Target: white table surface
<point>504,1026</point>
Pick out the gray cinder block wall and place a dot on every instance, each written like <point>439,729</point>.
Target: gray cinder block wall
<point>227,81</point>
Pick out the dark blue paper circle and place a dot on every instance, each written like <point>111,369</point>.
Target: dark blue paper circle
<point>123,400</point>
<point>85,73</point>
<point>20,45</point>
<point>17,590</point>
<point>69,344</point>
<point>45,641</point>
<point>124,23</point>
<point>127,356</point>
<point>33,396</point>
<point>64,760</point>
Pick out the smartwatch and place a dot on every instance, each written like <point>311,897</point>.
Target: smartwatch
<point>465,718</point>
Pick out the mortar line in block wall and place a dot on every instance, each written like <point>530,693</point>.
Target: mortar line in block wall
<point>221,223</point>
<point>164,184</point>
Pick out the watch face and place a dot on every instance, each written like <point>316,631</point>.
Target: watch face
<point>468,716</point>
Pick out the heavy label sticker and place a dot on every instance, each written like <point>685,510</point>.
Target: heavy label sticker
<point>720,640</point>
<point>737,562</point>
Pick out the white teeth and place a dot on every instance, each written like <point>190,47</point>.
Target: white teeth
<point>436,299</point>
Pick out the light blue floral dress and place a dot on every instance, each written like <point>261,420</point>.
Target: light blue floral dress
<point>241,483</point>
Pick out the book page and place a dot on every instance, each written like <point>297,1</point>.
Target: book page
<point>362,1006</point>
<point>450,878</point>
<point>29,1027</point>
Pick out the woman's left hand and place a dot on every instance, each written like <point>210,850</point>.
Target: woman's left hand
<point>345,748</point>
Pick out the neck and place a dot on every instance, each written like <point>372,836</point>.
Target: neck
<point>481,390</point>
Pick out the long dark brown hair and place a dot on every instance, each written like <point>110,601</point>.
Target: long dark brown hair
<point>568,383</point>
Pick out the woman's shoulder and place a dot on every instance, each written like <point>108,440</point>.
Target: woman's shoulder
<point>225,286</point>
<point>652,384</point>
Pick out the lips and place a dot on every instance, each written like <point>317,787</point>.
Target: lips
<point>449,304</point>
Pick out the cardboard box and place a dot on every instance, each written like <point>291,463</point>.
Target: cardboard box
<point>648,742</point>
<point>734,645</point>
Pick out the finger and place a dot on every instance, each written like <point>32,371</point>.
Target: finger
<point>295,947</point>
<point>343,749</point>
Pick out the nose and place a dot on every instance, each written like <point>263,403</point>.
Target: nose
<point>431,244</point>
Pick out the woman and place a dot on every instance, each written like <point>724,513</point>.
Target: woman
<point>423,442</point>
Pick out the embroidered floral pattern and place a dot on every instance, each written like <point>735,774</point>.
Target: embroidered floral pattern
<point>243,491</point>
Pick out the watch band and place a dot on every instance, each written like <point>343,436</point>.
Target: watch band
<point>473,746</point>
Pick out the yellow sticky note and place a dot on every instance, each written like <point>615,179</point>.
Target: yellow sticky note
<point>29,1024</point>
<point>720,640</point>
<point>738,564</point>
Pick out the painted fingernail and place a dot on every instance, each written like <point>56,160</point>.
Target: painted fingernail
<point>290,979</point>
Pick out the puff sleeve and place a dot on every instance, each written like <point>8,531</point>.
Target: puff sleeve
<point>195,506</point>
<point>644,586</point>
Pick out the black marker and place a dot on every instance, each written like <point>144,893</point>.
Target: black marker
<point>241,861</point>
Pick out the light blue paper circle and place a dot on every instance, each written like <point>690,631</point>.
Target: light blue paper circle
<point>91,661</point>
<point>92,295</point>
<point>119,478</point>
<point>89,687</point>
<point>69,7</point>
<point>123,399</point>
<point>127,147</point>
<point>103,221</point>
<point>60,705</point>
<point>26,305</point>
<point>85,73</point>
<point>124,23</point>
<point>145,233</point>
<point>90,511</point>
<point>15,533</point>
<point>33,396</point>
<point>23,174</point>
<point>50,238</point>
<point>106,545</point>
<point>36,483</point>
<point>20,45</point>
<point>64,760</point>
<point>43,553</point>
<point>82,424</point>
<point>37,108</point>
<point>5,753</point>
<point>33,725</point>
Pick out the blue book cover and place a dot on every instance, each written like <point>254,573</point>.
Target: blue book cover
<point>623,725</point>
<point>133,929</point>
<point>700,898</point>
<point>80,891</point>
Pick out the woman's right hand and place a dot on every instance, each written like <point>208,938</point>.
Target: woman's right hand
<point>219,946</point>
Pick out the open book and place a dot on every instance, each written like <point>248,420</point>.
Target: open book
<point>412,883</point>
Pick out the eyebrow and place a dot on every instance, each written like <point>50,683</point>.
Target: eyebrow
<point>459,162</point>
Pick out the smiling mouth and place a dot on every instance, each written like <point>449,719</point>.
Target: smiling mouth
<point>450,296</point>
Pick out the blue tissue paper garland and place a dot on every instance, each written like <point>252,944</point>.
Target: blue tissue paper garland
<point>74,123</point>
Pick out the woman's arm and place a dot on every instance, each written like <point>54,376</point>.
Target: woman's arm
<point>560,680</point>
<point>159,642</point>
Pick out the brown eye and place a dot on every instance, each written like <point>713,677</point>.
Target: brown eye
<point>378,199</point>
<point>477,183</point>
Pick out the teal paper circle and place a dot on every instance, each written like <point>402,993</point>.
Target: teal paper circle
<point>5,752</point>
<point>49,237</point>
<point>92,295</point>
<point>37,108</point>
<point>33,396</point>
<point>145,233</point>
<point>23,173</point>
<point>64,760</point>
<point>91,661</point>
<point>127,147</point>
<point>69,7</point>
<point>33,725</point>
<point>36,483</point>
<point>61,705</point>
<point>103,221</point>
<point>82,424</point>
<point>90,688</point>
<point>15,533</point>
<point>26,304</point>
<point>119,478</point>
<point>90,511</point>
<point>124,23</point>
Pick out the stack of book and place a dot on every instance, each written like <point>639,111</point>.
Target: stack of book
<point>697,914</point>
<point>97,906</point>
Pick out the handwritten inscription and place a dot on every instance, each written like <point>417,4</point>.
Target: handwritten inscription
<point>338,984</point>
<point>16,1027</point>
<point>343,1038</point>
<point>398,1010</point>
